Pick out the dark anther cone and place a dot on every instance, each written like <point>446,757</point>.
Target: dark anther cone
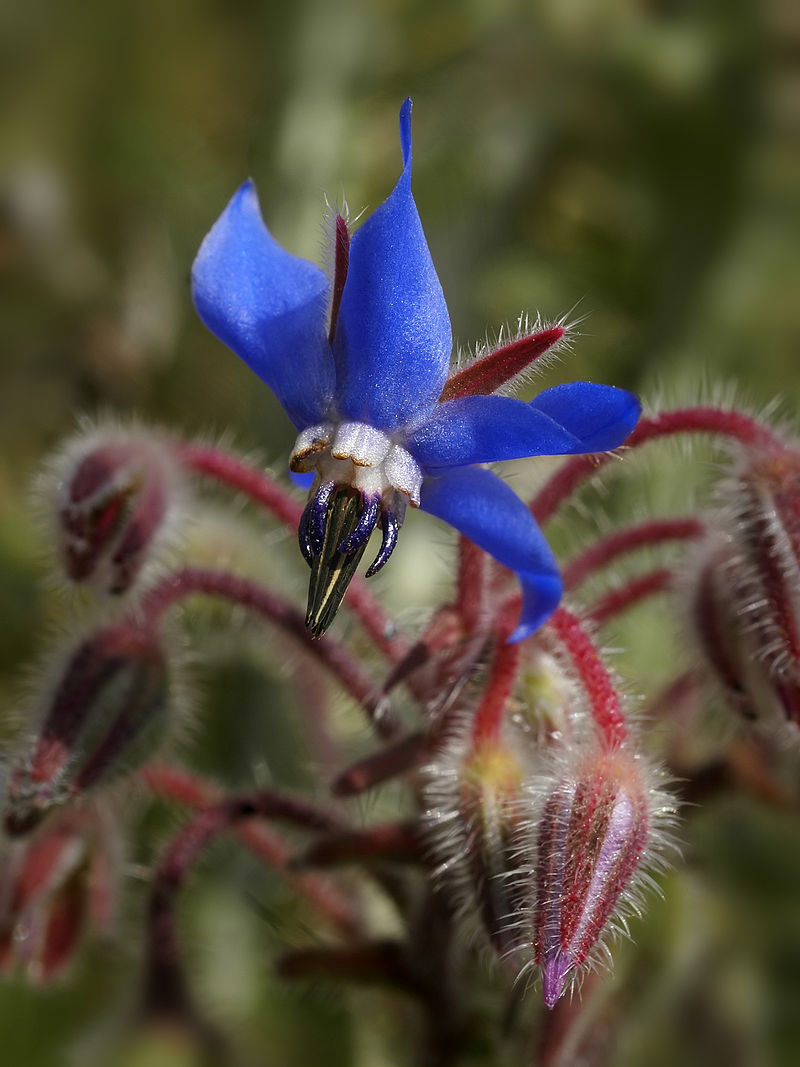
<point>332,570</point>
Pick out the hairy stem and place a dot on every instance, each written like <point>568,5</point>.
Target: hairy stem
<point>630,594</point>
<point>190,581</point>
<point>595,677</point>
<point>644,535</point>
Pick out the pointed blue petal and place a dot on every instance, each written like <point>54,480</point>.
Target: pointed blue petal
<point>268,306</point>
<point>483,429</point>
<point>601,416</point>
<point>393,336</point>
<point>486,511</point>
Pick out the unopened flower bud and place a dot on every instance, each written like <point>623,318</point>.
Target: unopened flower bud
<point>114,491</point>
<point>745,595</point>
<point>491,808</point>
<point>548,704</point>
<point>591,838</point>
<point>103,715</point>
<point>483,793</point>
<point>52,887</point>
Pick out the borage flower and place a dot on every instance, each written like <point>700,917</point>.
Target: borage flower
<point>361,368</point>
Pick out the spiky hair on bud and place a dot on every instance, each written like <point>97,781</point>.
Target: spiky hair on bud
<point>600,830</point>
<point>514,357</point>
<point>110,501</point>
<point>741,592</point>
<point>100,703</point>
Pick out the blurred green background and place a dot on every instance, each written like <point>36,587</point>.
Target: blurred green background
<point>634,161</point>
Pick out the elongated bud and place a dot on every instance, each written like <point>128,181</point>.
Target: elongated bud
<point>54,886</point>
<point>104,713</point>
<point>492,810</point>
<point>592,834</point>
<point>114,492</point>
<point>746,592</point>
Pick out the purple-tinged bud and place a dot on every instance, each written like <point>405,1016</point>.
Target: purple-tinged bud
<point>53,886</point>
<point>113,493</point>
<point>104,714</point>
<point>592,834</point>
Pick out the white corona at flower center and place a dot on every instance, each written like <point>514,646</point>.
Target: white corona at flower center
<point>356,454</point>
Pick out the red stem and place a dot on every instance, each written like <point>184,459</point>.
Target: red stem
<point>595,678</point>
<point>645,535</point>
<point>178,784</point>
<point>379,767</point>
<point>192,580</point>
<point>165,982</point>
<point>502,675</point>
<point>734,424</point>
<point>389,841</point>
<point>629,595</point>
<point>471,583</point>
<point>233,472</point>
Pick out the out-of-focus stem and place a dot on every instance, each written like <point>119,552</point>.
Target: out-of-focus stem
<point>389,841</point>
<point>189,581</point>
<point>180,785</point>
<point>165,988</point>
<point>630,594</point>
<point>471,583</point>
<point>644,535</point>
<point>499,685</point>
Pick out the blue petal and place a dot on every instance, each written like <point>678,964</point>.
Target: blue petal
<point>601,416</point>
<point>486,511</point>
<point>393,336</point>
<point>482,429</point>
<point>268,306</point>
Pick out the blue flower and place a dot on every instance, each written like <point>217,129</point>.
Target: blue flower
<point>359,366</point>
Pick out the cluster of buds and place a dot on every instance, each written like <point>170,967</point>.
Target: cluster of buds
<point>541,817</point>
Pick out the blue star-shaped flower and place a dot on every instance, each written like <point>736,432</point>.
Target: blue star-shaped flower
<point>360,372</point>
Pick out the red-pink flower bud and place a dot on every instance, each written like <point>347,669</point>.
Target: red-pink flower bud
<point>113,496</point>
<point>592,834</point>
<point>102,716</point>
<point>52,887</point>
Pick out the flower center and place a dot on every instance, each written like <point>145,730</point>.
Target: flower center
<point>358,455</point>
<point>364,477</point>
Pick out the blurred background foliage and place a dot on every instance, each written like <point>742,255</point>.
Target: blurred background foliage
<point>633,161</point>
